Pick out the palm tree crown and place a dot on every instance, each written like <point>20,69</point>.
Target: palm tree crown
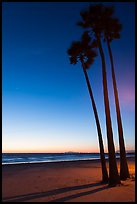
<point>82,50</point>
<point>100,19</point>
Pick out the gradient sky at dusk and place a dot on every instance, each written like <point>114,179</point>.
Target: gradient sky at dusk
<point>45,101</point>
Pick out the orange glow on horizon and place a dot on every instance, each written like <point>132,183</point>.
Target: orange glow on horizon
<point>51,151</point>
<point>58,150</point>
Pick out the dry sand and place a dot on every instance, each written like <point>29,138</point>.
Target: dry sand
<point>77,181</point>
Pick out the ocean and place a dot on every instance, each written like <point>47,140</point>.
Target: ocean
<point>19,158</point>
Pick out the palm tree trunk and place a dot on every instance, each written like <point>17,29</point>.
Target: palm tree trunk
<point>124,172</point>
<point>102,155</point>
<point>113,171</point>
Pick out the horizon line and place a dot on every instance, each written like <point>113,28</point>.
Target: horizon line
<point>117,151</point>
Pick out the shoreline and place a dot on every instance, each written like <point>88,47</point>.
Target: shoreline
<point>63,181</point>
<point>47,162</point>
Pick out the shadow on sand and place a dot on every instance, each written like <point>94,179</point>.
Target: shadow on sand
<point>54,192</point>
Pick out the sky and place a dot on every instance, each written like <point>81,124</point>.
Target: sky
<point>45,101</point>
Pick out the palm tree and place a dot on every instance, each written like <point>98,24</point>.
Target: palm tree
<point>81,51</point>
<point>111,31</point>
<point>91,21</point>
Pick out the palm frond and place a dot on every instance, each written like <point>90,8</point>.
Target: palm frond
<point>73,60</point>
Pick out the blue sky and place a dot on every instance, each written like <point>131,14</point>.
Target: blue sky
<point>45,102</point>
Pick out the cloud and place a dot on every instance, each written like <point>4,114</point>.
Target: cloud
<point>127,97</point>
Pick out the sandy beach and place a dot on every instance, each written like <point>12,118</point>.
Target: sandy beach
<point>78,181</point>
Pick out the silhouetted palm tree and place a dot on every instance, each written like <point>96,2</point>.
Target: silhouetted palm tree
<point>111,31</point>
<point>81,51</point>
<point>91,21</point>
